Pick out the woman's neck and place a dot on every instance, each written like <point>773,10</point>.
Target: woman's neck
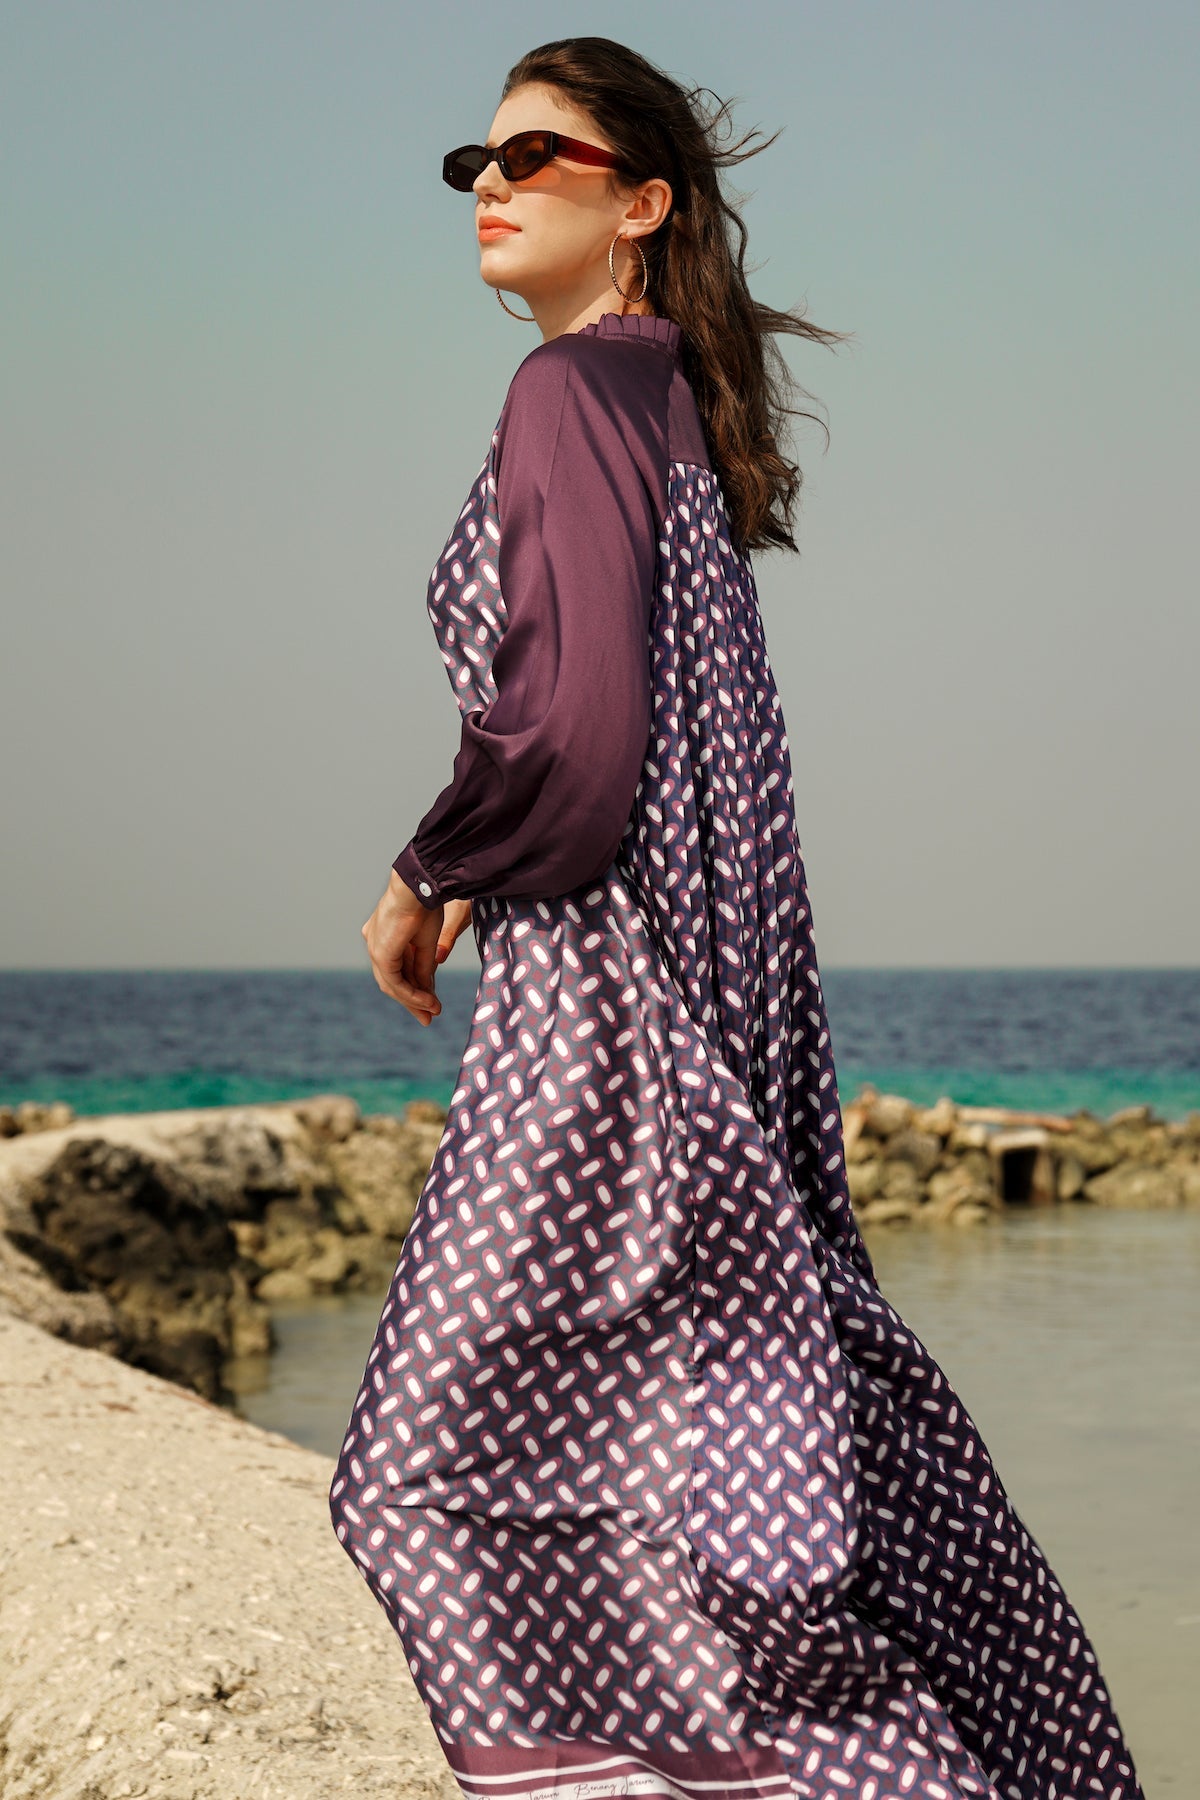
<point>555,321</point>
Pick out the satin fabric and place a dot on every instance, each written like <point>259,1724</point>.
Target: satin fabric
<point>659,1492</point>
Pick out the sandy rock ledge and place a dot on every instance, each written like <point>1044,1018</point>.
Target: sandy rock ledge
<point>177,1618</point>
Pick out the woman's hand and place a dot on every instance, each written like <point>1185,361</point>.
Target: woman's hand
<point>403,940</point>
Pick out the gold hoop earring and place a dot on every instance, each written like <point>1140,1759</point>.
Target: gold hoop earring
<point>633,245</point>
<point>528,317</point>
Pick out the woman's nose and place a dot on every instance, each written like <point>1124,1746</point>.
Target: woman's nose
<point>490,184</point>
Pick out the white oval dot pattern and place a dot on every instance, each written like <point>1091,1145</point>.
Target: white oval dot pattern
<point>659,1492</point>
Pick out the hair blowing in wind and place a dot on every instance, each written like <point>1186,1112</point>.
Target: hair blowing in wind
<point>697,267</point>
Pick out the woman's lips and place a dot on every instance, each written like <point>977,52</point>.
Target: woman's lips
<point>495,228</point>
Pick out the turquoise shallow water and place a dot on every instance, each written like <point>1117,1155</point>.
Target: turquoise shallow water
<point>1101,1091</point>
<point>140,1040</point>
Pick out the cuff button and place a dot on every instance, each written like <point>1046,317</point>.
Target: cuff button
<point>424,887</point>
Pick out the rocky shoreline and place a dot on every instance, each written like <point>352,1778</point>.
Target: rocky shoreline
<point>166,1238</point>
<point>177,1621</point>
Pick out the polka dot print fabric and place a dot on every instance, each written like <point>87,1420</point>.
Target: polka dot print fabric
<point>659,1493</point>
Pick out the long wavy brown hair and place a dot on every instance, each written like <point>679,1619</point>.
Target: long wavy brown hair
<point>696,267</point>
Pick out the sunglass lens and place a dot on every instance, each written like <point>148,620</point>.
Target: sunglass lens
<point>461,168</point>
<point>526,154</point>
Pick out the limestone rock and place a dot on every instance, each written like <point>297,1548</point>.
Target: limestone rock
<point>1140,1185</point>
<point>381,1176</point>
<point>1091,1144</point>
<point>79,1315</point>
<point>901,1182</point>
<point>39,1115</point>
<point>888,1212</point>
<point>855,1146</point>
<point>921,1149</point>
<point>889,1113</point>
<point>334,1116</point>
<point>425,1112</point>
<point>865,1181</point>
<point>241,1162</point>
<point>250,1329</point>
<point>968,1134</point>
<point>1071,1176</point>
<point>166,1238</point>
<point>285,1284</point>
<point>1132,1115</point>
<point>958,1186</point>
<point>112,1218</point>
<point>1136,1141</point>
<point>939,1118</point>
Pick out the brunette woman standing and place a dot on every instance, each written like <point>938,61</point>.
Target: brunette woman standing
<point>658,1491</point>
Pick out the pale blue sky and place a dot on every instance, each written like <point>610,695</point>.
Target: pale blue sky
<point>248,372</point>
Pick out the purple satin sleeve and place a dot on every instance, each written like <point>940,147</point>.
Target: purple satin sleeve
<point>544,777</point>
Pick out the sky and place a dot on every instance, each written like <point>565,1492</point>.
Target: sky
<point>248,373</point>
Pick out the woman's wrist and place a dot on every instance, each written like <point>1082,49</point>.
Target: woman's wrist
<point>409,874</point>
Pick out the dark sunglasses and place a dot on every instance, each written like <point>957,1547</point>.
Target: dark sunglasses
<point>519,157</point>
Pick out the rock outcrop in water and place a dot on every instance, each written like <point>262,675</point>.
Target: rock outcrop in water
<point>166,1238</point>
<point>964,1164</point>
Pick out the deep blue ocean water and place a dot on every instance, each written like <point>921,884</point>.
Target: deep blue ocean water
<point>139,1040</point>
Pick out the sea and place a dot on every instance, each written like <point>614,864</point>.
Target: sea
<point>1056,1040</point>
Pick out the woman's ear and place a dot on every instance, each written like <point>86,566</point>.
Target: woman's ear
<point>648,207</point>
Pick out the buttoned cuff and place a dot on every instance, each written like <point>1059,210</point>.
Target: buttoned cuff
<point>409,868</point>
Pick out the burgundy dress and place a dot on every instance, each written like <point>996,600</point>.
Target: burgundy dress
<point>659,1493</point>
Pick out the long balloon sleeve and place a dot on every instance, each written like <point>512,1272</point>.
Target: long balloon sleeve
<point>545,776</point>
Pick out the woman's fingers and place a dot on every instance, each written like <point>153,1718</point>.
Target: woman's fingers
<point>424,956</point>
<point>397,988</point>
<point>458,917</point>
<point>422,1012</point>
<point>408,978</point>
<point>408,993</point>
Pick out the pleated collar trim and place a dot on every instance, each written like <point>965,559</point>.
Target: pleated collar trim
<point>647,328</point>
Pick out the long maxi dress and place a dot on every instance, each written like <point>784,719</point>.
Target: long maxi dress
<point>659,1492</point>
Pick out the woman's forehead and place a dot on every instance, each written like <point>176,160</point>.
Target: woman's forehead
<point>536,107</point>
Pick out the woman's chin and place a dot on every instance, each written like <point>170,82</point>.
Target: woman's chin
<point>495,263</point>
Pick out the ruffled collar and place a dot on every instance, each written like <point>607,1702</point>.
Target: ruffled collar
<point>647,328</point>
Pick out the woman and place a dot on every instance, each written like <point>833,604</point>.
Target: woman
<point>659,1492</point>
